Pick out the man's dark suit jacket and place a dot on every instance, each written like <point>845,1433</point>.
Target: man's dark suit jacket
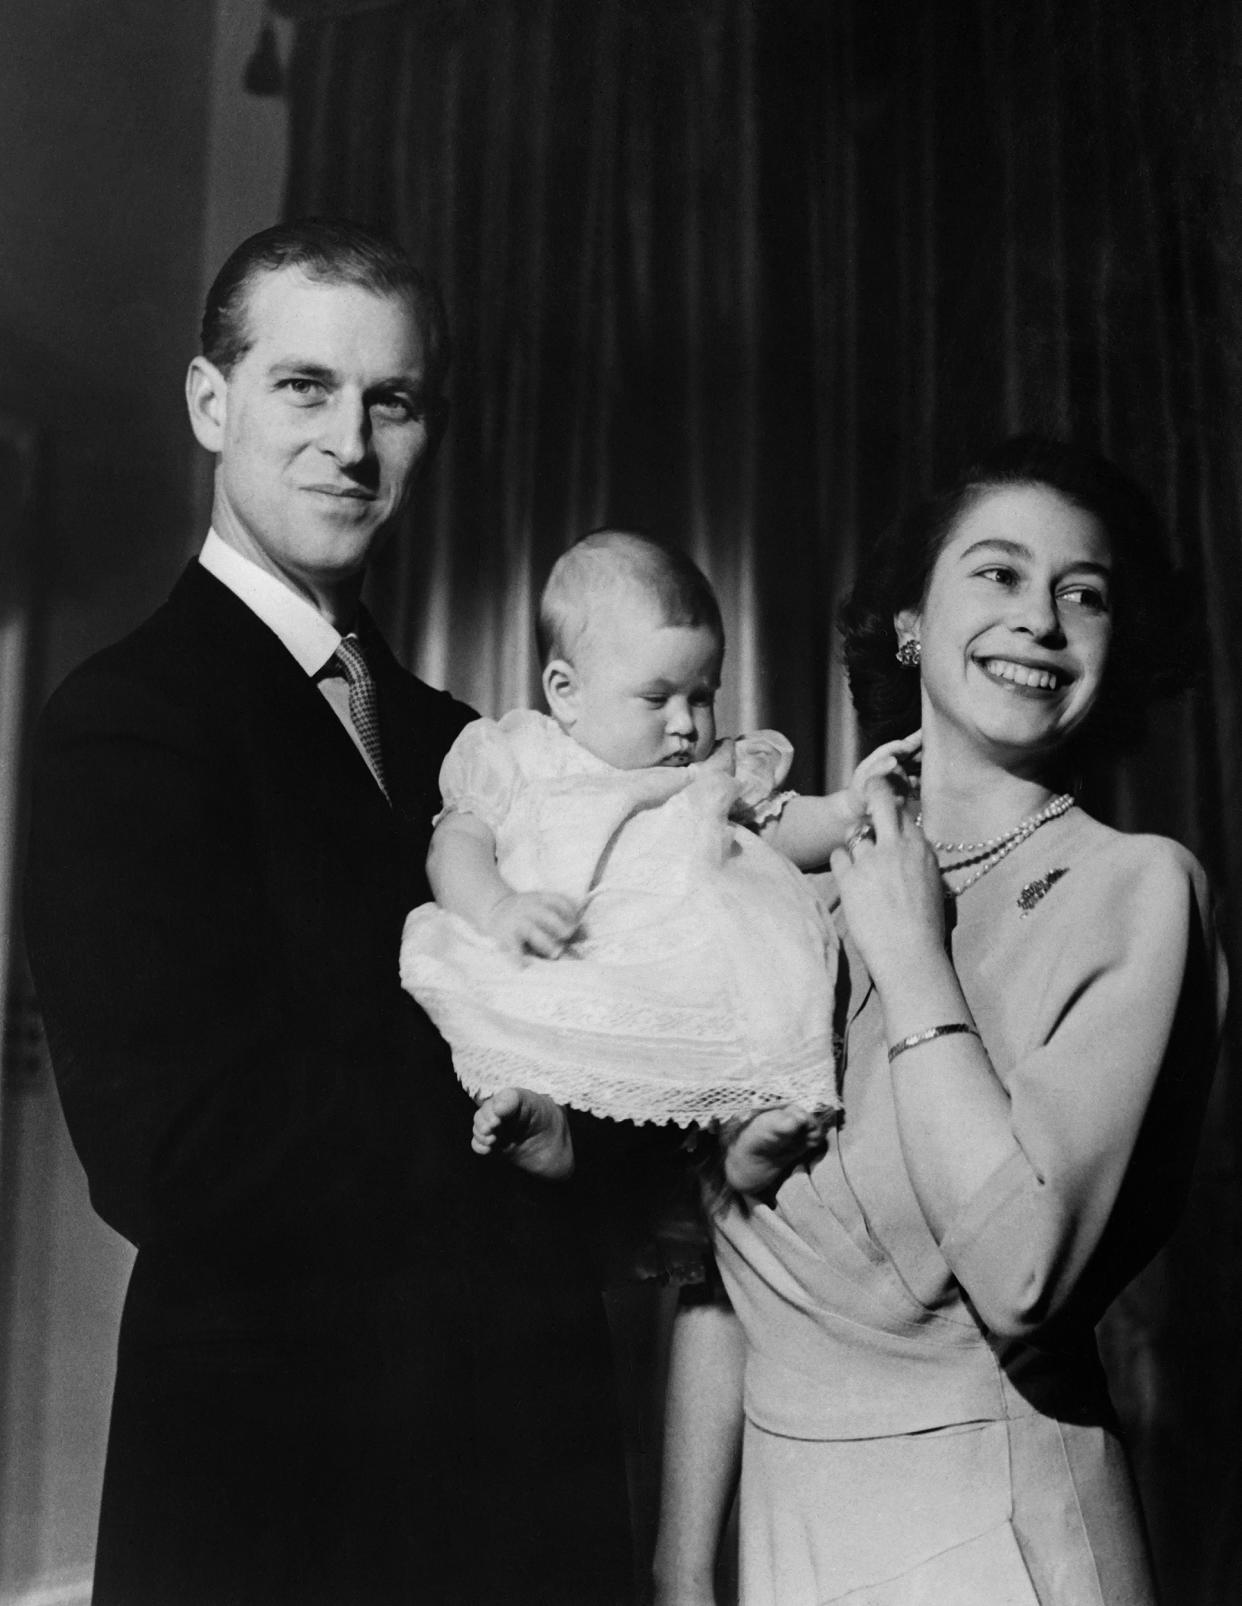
<point>357,1364</point>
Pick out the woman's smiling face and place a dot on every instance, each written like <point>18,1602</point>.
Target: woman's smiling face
<point>1015,625</point>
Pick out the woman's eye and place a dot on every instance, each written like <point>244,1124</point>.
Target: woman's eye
<point>1088,597</point>
<point>1000,574</point>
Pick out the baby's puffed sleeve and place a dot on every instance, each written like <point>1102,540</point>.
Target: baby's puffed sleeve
<point>480,774</point>
<point>761,761</point>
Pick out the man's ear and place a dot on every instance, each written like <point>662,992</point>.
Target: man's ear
<point>206,396</point>
<point>560,687</point>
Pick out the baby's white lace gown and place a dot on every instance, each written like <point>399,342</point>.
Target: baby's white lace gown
<point>700,981</point>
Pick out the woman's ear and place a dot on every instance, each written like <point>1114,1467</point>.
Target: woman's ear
<point>907,624</point>
<point>560,687</point>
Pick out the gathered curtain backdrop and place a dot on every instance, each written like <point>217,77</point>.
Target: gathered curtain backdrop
<point>752,275</point>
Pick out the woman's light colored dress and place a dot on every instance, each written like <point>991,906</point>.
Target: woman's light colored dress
<point>927,1423</point>
<point>700,982</point>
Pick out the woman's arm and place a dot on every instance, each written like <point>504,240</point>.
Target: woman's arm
<point>702,1451</point>
<point>1058,1185</point>
<point>953,1113</point>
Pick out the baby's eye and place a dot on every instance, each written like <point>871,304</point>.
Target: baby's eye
<point>703,699</point>
<point>654,699</point>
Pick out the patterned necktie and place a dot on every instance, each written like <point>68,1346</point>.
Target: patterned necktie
<point>350,661</point>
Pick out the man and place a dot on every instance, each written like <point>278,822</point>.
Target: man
<point>356,1363</point>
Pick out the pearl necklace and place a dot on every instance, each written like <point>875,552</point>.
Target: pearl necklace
<point>997,847</point>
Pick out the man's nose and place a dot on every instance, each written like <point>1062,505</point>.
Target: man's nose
<point>347,431</point>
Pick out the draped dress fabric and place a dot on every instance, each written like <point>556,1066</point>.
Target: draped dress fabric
<point>700,981</point>
<point>929,1422</point>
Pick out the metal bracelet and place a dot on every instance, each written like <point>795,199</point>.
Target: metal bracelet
<point>932,1032</point>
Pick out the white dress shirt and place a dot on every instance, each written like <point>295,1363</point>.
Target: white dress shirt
<point>298,625</point>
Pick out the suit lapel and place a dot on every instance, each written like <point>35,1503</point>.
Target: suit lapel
<point>272,701</point>
<point>300,748</point>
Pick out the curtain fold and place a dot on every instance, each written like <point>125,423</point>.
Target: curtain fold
<point>752,274</point>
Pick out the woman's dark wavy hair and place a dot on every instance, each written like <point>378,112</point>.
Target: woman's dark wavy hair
<point>1153,646</point>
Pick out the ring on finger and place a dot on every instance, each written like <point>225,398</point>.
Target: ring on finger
<point>861,833</point>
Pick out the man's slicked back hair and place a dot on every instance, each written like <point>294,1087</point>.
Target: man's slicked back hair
<point>609,563</point>
<point>329,251</point>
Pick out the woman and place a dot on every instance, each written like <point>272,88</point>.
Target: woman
<point>1030,1025</point>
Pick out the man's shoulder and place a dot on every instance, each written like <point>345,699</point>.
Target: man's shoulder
<point>196,652</point>
<point>197,611</point>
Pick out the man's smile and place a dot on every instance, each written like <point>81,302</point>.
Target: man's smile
<point>349,492</point>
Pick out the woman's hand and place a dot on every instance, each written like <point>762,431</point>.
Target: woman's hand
<point>897,762</point>
<point>952,1112</point>
<point>890,886</point>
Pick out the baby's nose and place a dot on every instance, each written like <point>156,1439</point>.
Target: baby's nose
<point>678,716</point>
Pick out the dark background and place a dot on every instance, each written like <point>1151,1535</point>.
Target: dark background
<point>748,273</point>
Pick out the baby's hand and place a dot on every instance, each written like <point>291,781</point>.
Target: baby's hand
<point>722,757</point>
<point>534,922</point>
<point>892,759</point>
<point>530,1129</point>
<point>769,1145</point>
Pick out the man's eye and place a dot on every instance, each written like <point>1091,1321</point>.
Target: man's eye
<point>302,389</point>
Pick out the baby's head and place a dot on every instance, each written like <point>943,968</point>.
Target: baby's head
<point>632,644</point>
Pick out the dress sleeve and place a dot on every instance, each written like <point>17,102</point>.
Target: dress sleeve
<point>761,761</point>
<point>1106,1104</point>
<point>480,774</point>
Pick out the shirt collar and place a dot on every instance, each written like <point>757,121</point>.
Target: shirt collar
<point>300,627</point>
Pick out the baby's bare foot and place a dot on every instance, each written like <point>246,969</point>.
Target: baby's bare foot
<point>770,1144</point>
<point>528,1128</point>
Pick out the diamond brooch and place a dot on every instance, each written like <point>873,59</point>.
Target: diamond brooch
<point>1033,891</point>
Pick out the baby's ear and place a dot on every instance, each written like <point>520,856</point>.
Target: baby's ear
<point>560,687</point>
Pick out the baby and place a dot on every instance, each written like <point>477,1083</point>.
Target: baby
<point>620,921</point>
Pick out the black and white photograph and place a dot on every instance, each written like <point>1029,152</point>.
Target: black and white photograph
<point>620,756</point>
